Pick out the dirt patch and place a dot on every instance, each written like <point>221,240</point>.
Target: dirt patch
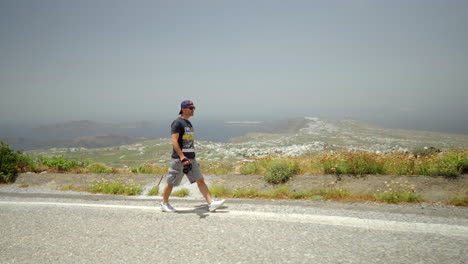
<point>57,180</point>
<point>433,189</point>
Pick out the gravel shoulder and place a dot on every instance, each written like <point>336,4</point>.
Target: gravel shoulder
<point>433,189</point>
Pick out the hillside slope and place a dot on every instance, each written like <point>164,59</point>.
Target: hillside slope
<point>309,135</point>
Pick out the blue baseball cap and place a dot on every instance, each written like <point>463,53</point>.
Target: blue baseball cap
<point>185,104</point>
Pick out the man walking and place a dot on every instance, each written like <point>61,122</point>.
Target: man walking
<point>183,159</point>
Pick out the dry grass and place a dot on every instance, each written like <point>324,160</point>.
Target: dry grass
<point>459,201</point>
<point>325,194</point>
<point>181,193</point>
<point>116,187</point>
<point>216,168</point>
<point>450,163</point>
<point>150,169</point>
<point>154,191</point>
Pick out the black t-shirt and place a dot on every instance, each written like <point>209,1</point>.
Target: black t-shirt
<point>186,137</point>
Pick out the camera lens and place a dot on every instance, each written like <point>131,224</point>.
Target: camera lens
<point>187,168</point>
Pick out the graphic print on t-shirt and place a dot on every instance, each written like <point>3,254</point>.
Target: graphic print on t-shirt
<point>188,140</point>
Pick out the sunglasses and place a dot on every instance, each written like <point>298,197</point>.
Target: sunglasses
<point>191,108</point>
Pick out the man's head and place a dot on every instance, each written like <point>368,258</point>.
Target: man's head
<point>186,108</point>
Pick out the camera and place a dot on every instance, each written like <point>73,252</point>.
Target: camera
<point>188,167</point>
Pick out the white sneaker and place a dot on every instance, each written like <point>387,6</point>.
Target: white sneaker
<point>167,208</point>
<point>215,205</point>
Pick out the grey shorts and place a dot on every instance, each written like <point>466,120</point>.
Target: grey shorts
<point>175,174</point>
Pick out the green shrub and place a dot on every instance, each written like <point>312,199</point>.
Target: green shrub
<point>149,169</point>
<point>250,168</point>
<point>280,171</point>
<point>464,165</point>
<point>154,191</point>
<point>11,162</point>
<point>142,169</point>
<point>301,194</point>
<point>398,197</point>
<point>218,191</point>
<point>457,201</point>
<point>181,193</point>
<point>115,187</point>
<point>353,163</point>
<point>246,193</point>
<point>216,168</point>
<point>391,195</point>
<point>278,193</point>
<point>99,168</point>
<point>399,166</point>
<point>425,168</point>
<point>68,187</point>
<point>450,164</point>
<point>365,165</point>
<point>335,166</point>
<point>59,163</point>
<point>333,193</point>
<point>5,178</point>
<point>219,169</point>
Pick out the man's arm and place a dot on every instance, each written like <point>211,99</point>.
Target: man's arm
<point>178,150</point>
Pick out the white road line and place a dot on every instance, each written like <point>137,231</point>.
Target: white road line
<point>151,208</point>
<point>374,224</point>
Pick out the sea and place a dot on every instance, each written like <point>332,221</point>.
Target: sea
<point>30,137</point>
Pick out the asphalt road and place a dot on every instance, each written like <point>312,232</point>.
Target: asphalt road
<point>52,228</point>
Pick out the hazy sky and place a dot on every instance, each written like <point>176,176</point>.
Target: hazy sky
<point>405,61</point>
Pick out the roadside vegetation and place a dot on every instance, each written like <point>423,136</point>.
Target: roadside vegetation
<point>325,194</point>
<point>181,193</point>
<point>11,162</point>
<point>113,187</point>
<point>457,201</point>
<point>117,187</point>
<point>276,169</point>
<point>150,169</point>
<point>451,164</point>
<point>154,191</point>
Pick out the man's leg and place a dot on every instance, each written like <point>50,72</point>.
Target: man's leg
<point>204,190</point>
<point>166,193</point>
<point>212,204</point>
<point>173,178</point>
<point>195,175</point>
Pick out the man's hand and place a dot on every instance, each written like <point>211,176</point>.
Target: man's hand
<point>185,161</point>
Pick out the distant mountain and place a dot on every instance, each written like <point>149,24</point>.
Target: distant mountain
<point>91,125</point>
<point>70,125</point>
<point>82,133</point>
